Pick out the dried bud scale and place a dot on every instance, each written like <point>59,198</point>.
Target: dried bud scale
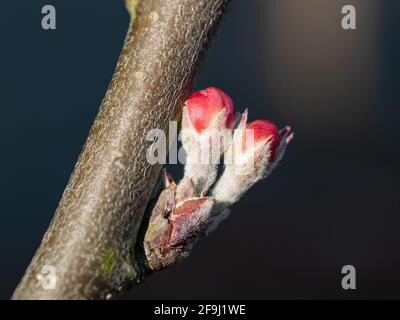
<point>173,228</point>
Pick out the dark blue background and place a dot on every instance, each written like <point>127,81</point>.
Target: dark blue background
<point>333,201</point>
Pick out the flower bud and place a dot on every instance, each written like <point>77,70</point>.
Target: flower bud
<point>255,151</point>
<point>204,107</point>
<point>264,131</point>
<point>206,133</point>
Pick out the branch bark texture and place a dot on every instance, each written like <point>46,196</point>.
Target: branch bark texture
<point>91,239</point>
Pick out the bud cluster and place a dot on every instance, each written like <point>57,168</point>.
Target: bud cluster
<point>201,200</point>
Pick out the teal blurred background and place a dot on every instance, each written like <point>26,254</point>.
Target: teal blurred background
<point>333,201</point>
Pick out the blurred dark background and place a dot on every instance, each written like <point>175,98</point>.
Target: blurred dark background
<point>333,201</point>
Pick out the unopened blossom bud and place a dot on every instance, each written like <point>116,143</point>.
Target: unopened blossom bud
<point>255,151</point>
<point>265,132</point>
<point>204,106</point>
<point>206,133</point>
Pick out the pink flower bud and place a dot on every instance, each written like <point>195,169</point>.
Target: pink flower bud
<point>255,151</point>
<point>204,105</point>
<point>264,131</point>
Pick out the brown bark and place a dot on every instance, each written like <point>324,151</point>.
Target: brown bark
<point>91,239</point>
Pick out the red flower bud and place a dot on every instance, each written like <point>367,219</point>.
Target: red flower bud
<point>204,105</point>
<point>264,130</point>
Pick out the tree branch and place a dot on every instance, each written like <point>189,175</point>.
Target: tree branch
<point>91,239</point>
